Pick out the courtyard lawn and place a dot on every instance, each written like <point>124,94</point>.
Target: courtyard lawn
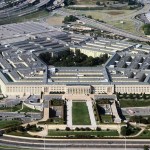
<point>9,123</point>
<point>85,133</point>
<point>80,114</point>
<point>145,134</point>
<point>106,119</point>
<point>134,103</point>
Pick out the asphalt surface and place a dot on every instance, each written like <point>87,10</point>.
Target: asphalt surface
<point>68,143</point>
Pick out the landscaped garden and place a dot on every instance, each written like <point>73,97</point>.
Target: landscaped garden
<point>102,111</point>
<point>57,112</point>
<point>18,108</point>
<point>22,131</point>
<point>80,114</point>
<point>69,58</point>
<point>129,130</point>
<point>83,134</point>
<point>134,100</point>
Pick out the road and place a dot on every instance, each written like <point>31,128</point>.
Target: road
<point>103,26</point>
<point>74,143</point>
<point>145,9</point>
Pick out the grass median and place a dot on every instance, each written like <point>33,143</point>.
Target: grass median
<point>9,123</point>
<point>134,103</point>
<point>85,133</point>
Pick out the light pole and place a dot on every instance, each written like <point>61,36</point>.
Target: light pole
<point>125,142</point>
<point>44,141</point>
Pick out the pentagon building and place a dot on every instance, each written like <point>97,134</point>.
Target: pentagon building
<point>22,72</point>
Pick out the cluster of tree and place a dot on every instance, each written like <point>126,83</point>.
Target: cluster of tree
<point>23,129</point>
<point>69,2</point>
<point>146,29</point>
<point>29,128</point>
<point>103,101</point>
<point>133,2</point>
<point>140,119</point>
<point>131,96</point>
<point>129,130</point>
<point>70,18</point>
<point>146,147</point>
<point>98,3</point>
<point>69,58</point>
<point>83,129</point>
<point>57,102</point>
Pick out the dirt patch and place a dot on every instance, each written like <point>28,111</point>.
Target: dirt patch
<point>55,20</point>
<point>115,13</point>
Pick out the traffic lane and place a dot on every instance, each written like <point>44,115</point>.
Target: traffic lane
<point>76,141</point>
<point>48,145</point>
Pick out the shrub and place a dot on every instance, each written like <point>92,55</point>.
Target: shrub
<point>98,129</point>
<point>77,129</point>
<point>67,129</point>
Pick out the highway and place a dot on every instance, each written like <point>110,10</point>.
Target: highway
<point>104,26</point>
<point>72,143</point>
<point>22,9</point>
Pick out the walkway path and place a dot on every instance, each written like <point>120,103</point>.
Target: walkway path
<point>115,113</point>
<point>69,113</point>
<point>91,113</point>
<point>42,133</point>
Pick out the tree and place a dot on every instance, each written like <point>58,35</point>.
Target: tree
<point>146,147</point>
<point>148,120</point>
<point>21,128</point>
<point>124,130</point>
<point>144,96</point>
<point>98,129</point>
<point>28,127</point>
<point>130,95</point>
<point>124,95</point>
<point>70,18</point>
<point>89,16</point>
<point>69,2</point>
<point>67,129</point>
<point>98,3</point>
<point>137,96</point>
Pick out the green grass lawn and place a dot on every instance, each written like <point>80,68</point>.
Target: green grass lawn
<point>53,121</point>
<point>17,108</point>
<point>17,133</point>
<point>27,109</point>
<point>146,29</point>
<point>11,109</point>
<point>9,123</point>
<point>134,103</point>
<point>76,133</point>
<point>106,119</point>
<point>80,114</point>
<point>145,134</point>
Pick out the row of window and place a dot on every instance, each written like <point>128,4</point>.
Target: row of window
<point>24,89</point>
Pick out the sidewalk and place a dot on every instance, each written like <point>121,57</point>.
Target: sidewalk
<point>91,113</point>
